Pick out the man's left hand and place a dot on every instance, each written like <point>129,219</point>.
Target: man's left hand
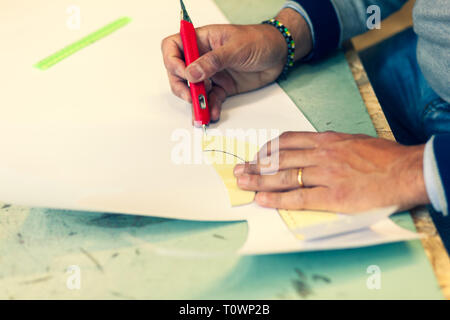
<point>340,173</point>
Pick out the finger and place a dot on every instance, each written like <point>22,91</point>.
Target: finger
<point>172,49</point>
<point>209,64</point>
<point>282,160</point>
<point>281,181</point>
<point>314,177</point>
<point>301,140</point>
<point>224,80</point>
<point>208,85</point>
<point>179,87</point>
<point>216,98</point>
<point>291,140</point>
<point>298,199</point>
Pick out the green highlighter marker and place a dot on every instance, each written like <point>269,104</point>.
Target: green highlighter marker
<point>83,43</point>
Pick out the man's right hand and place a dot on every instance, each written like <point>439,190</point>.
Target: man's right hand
<point>234,58</point>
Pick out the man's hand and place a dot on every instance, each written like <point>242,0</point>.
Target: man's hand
<point>234,59</point>
<point>341,173</point>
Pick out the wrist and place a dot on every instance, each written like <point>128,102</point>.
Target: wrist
<point>299,30</point>
<point>414,181</point>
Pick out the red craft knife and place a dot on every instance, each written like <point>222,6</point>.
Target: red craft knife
<point>198,92</point>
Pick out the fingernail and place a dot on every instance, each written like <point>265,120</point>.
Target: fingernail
<point>215,115</point>
<point>243,180</point>
<point>238,170</point>
<point>195,73</point>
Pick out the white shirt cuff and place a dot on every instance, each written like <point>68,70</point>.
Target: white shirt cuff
<point>432,179</point>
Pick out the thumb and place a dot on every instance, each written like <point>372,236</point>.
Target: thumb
<point>209,64</point>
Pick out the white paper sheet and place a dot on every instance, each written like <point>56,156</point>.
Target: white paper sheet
<point>267,235</point>
<point>96,131</point>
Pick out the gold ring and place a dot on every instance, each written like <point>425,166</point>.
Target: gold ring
<point>300,178</point>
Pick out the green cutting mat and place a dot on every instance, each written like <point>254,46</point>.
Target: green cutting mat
<point>141,257</point>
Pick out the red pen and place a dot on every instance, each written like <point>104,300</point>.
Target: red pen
<point>198,92</point>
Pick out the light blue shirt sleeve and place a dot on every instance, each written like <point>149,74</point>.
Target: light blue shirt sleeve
<point>433,183</point>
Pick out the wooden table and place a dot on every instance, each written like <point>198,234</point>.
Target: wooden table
<point>432,242</point>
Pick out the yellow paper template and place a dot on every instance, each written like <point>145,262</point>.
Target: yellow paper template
<point>223,154</point>
<point>300,219</point>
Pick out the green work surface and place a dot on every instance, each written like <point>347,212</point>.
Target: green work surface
<point>122,257</point>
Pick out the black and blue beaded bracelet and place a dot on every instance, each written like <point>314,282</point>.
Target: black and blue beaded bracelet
<point>289,41</point>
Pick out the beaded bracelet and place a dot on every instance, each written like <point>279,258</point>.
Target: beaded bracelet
<point>289,41</point>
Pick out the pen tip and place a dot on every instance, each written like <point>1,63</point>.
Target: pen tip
<point>204,129</point>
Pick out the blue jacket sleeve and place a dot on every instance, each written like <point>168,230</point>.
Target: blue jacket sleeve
<point>325,23</point>
<point>334,21</point>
